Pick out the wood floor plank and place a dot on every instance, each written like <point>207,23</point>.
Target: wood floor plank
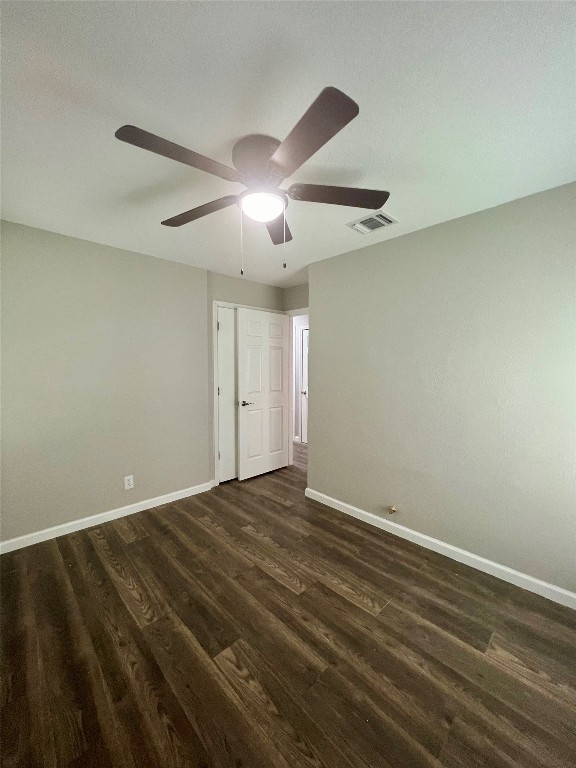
<point>250,627</point>
<point>453,609</point>
<point>21,679</point>
<point>230,735</point>
<point>139,599</point>
<point>321,567</point>
<point>361,721</point>
<point>245,612</point>
<point>201,613</point>
<point>396,687</point>
<point>542,670</point>
<point>240,511</point>
<point>260,626</point>
<point>271,562</point>
<point>14,729</point>
<point>64,672</point>
<point>470,747</point>
<point>430,679</point>
<point>549,631</point>
<point>230,559</point>
<point>130,528</point>
<point>271,514</point>
<point>75,699</point>
<point>476,667</point>
<point>41,737</point>
<point>12,628</point>
<point>151,718</point>
<point>285,724</point>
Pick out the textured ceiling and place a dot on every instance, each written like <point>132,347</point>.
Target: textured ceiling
<point>463,106</point>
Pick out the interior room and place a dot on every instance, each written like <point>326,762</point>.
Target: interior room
<point>288,412</point>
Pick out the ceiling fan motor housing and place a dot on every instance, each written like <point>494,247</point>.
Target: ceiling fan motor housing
<point>250,156</point>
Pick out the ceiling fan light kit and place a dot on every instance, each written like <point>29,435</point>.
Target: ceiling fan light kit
<point>262,163</point>
<point>262,205</point>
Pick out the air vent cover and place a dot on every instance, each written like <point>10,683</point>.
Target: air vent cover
<point>368,224</point>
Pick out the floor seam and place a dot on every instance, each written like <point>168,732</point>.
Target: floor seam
<point>489,642</point>
<point>384,606</point>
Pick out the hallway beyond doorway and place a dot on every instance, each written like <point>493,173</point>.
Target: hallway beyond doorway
<point>301,456</point>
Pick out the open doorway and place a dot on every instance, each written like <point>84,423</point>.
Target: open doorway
<point>300,339</point>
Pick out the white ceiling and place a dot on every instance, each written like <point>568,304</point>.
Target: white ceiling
<point>463,106</point>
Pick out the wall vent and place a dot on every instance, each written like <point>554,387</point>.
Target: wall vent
<point>368,224</point>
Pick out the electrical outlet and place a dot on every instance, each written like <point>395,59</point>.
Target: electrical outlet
<point>128,482</point>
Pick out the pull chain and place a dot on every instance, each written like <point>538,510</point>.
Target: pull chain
<point>241,243</point>
<point>284,245</point>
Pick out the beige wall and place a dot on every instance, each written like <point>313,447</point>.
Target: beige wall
<point>240,290</point>
<point>105,373</point>
<point>443,380</point>
<point>296,297</point>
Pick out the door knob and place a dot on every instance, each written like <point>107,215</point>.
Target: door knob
<point>304,392</point>
<point>245,403</point>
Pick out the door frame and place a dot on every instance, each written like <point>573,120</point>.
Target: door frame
<point>215,410</point>
<point>303,368</point>
<point>293,313</point>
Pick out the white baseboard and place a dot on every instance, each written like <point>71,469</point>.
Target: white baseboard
<point>102,517</point>
<point>523,580</point>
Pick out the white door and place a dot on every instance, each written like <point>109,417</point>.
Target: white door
<point>304,391</point>
<point>263,392</point>
<point>226,393</point>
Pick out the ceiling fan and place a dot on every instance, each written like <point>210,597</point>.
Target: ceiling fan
<point>262,163</point>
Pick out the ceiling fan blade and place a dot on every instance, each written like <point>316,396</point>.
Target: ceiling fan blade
<point>356,198</point>
<point>279,230</point>
<point>139,138</point>
<point>201,210</point>
<point>327,115</point>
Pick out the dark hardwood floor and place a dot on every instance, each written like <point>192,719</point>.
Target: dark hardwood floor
<point>251,628</point>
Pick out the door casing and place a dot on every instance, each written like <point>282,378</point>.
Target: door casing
<point>304,334</point>
<point>300,320</point>
<point>225,349</point>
